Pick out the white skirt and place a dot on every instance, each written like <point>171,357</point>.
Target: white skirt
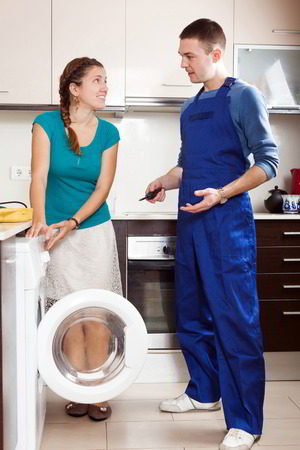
<point>83,259</point>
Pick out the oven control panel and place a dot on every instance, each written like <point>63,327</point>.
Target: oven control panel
<point>151,247</point>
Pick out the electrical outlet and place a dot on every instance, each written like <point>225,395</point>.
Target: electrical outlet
<point>20,173</point>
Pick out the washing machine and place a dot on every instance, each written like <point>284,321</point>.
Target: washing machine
<point>113,354</point>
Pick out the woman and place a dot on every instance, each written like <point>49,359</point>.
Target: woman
<point>74,156</point>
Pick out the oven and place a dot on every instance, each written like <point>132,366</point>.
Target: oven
<point>150,286</point>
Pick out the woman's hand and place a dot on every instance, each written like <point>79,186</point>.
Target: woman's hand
<point>156,184</point>
<point>57,231</point>
<point>211,197</point>
<point>36,229</point>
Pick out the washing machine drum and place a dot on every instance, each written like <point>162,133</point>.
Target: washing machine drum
<point>92,345</point>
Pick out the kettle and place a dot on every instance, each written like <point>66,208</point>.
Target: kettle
<point>274,203</point>
<point>295,181</point>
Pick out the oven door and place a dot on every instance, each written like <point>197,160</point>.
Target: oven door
<point>150,288</point>
<point>112,346</point>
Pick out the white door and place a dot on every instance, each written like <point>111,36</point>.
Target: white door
<point>152,41</point>
<point>25,51</point>
<point>95,28</point>
<point>111,350</point>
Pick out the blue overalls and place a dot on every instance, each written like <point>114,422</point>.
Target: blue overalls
<point>217,306</point>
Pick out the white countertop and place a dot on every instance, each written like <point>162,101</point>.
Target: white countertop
<point>173,216</point>
<point>269,216</point>
<point>8,230</point>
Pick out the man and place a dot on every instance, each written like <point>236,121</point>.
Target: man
<point>217,306</point>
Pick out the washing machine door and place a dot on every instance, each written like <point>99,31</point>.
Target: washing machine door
<point>92,345</point>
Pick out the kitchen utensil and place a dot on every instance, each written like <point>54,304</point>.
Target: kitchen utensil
<point>151,194</point>
<point>290,204</point>
<point>274,203</point>
<point>295,181</point>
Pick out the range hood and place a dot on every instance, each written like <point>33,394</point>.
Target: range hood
<point>155,104</point>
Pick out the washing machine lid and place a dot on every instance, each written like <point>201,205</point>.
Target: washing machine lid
<point>111,346</point>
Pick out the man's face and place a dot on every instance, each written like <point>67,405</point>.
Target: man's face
<point>195,60</point>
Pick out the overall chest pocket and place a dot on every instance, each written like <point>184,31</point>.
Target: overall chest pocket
<point>202,115</point>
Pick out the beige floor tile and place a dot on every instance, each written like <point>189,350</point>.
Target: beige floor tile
<point>153,391</point>
<point>55,412</point>
<point>199,415</point>
<point>279,406</point>
<point>280,432</point>
<point>283,387</point>
<point>82,436</point>
<point>217,448</point>
<point>137,411</point>
<point>146,435</point>
<point>278,447</point>
<point>295,398</point>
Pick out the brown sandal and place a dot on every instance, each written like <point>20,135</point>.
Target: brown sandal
<point>100,412</point>
<point>76,409</point>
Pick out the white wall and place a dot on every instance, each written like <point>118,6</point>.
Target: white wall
<point>149,147</point>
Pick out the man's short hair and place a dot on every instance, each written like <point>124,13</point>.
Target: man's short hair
<point>206,31</point>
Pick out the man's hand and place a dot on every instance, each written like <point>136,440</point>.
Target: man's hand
<point>211,197</point>
<point>156,184</point>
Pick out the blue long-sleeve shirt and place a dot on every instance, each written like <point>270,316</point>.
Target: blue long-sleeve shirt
<point>250,118</point>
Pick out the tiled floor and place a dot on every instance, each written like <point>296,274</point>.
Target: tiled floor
<point>137,423</point>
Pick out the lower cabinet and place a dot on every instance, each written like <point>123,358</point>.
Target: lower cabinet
<point>278,283</point>
<point>278,273</point>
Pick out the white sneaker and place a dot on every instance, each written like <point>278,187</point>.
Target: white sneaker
<point>237,439</point>
<point>184,403</point>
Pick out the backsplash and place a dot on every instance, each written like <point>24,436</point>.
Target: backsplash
<point>149,147</point>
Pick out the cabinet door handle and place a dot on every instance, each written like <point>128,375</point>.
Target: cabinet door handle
<point>291,233</point>
<point>291,313</point>
<point>286,31</point>
<point>176,85</point>
<point>4,92</point>
<point>291,286</point>
<point>291,260</point>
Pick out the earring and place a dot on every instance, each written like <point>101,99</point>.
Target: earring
<point>75,101</point>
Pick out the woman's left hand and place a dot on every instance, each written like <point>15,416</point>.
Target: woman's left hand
<point>211,197</point>
<point>57,231</point>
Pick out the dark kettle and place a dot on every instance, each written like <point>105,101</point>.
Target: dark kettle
<point>274,203</point>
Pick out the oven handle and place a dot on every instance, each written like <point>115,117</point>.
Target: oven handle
<point>142,264</point>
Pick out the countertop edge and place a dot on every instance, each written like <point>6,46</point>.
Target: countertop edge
<point>173,216</point>
<point>8,230</point>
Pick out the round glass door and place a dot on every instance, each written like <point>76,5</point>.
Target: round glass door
<point>91,346</point>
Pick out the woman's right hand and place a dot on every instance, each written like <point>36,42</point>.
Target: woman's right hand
<point>156,184</point>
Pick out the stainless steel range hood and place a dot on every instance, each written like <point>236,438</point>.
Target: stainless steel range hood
<point>155,104</point>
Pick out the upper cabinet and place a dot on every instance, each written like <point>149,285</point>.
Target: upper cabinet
<point>93,28</point>
<point>25,52</point>
<point>152,41</point>
<point>267,22</point>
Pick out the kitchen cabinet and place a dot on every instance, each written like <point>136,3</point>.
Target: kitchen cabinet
<point>25,51</point>
<point>96,29</point>
<point>278,273</point>
<point>278,283</point>
<point>152,40</point>
<point>267,22</point>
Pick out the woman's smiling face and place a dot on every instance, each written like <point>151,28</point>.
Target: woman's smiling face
<point>93,88</point>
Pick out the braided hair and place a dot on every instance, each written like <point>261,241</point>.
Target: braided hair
<point>74,71</point>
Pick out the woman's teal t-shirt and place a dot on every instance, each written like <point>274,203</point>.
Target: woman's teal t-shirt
<point>72,178</point>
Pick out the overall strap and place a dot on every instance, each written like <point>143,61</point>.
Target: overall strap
<point>224,89</point>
